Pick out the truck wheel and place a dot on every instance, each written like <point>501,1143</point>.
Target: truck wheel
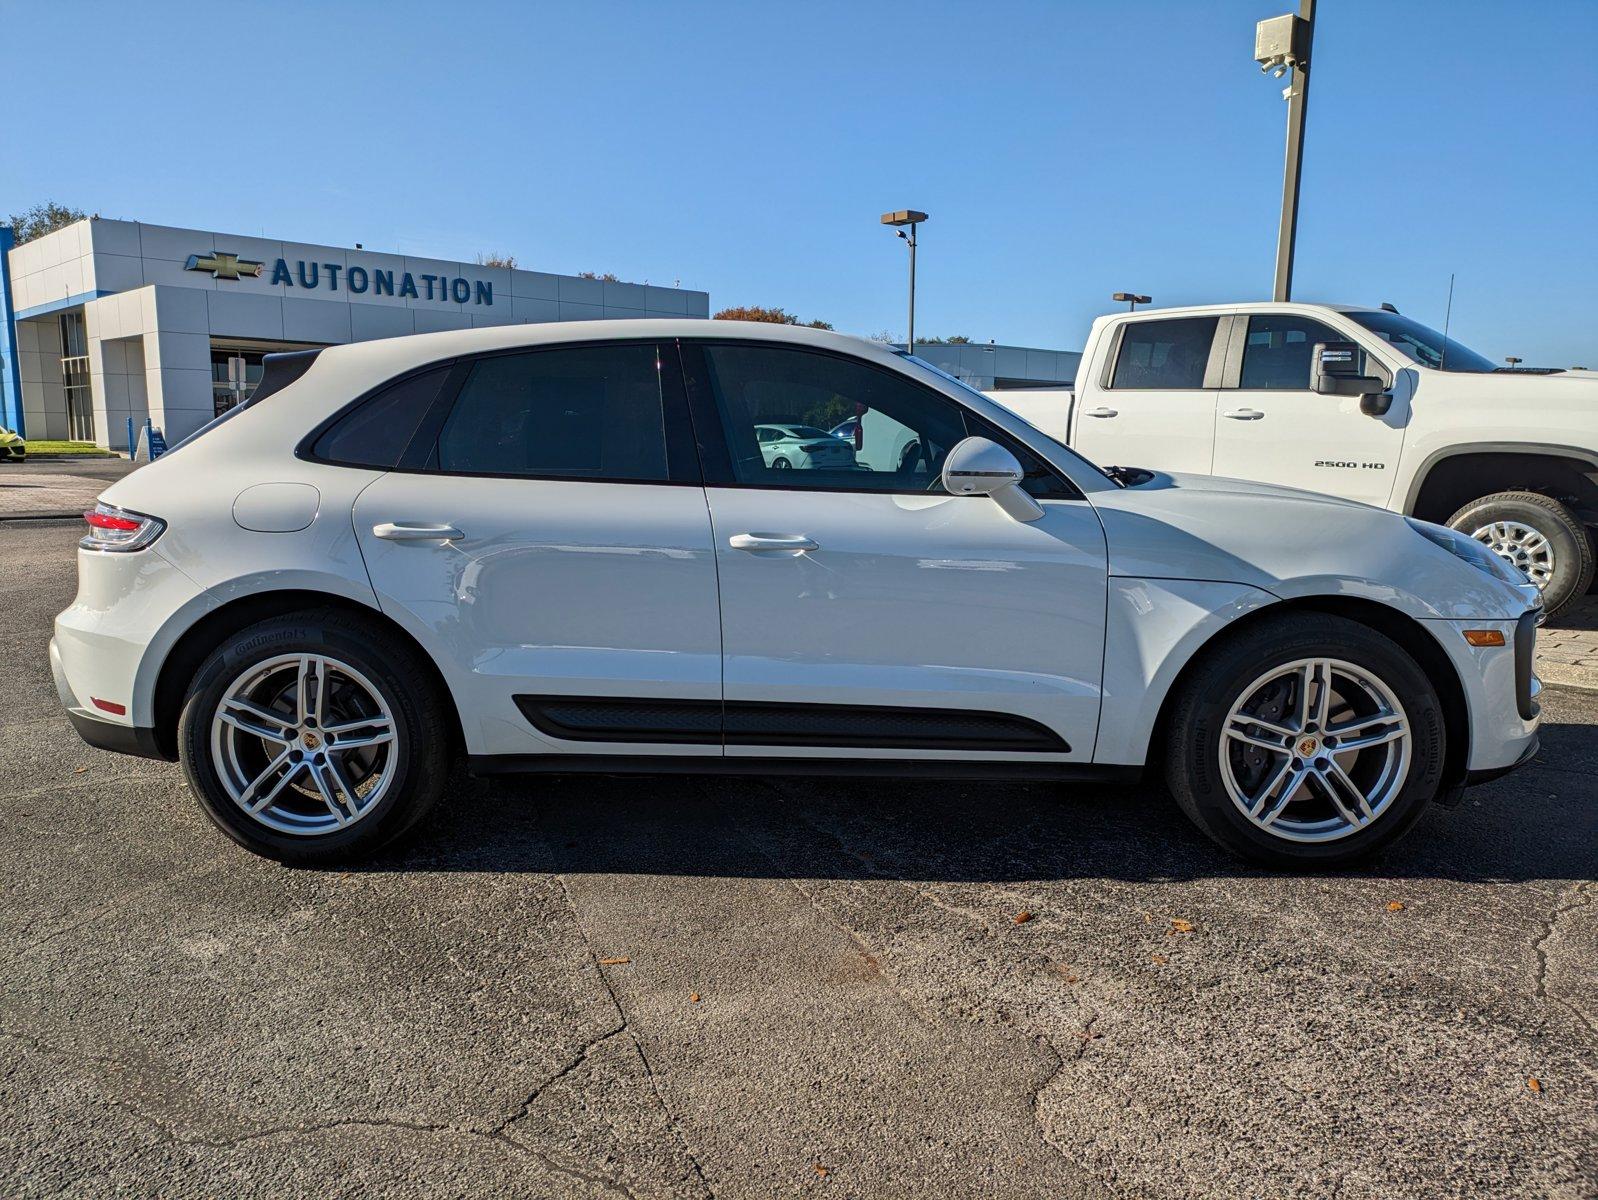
<point>1537,534</point>
<point>1307,741</point>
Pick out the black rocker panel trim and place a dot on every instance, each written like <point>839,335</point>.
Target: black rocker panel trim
<point>863,768</point>
<point>759,723</point>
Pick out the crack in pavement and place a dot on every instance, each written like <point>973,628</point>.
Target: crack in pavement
<point>171,1135</point>
<point>1584,894</point>
<point>626,1027</point>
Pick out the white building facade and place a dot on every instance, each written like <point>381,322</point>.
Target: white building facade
<point>103,321</point>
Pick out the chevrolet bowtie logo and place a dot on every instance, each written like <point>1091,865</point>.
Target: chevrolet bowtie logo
<point>222,266</point>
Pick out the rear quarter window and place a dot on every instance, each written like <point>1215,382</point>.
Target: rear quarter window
<point>376,432</point>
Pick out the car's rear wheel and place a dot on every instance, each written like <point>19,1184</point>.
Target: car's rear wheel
<point>1308,740</point>
<point>314,737</point>
<point>1537,534</point>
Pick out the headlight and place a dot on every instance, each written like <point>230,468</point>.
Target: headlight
<point>1465,547</point>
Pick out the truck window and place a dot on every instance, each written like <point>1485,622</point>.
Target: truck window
<point>1169,355</point>
<point>1277,353</point>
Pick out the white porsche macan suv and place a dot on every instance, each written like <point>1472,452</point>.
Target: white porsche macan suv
<point>561,548</point>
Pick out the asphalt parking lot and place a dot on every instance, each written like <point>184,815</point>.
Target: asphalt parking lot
<point>754,988</point>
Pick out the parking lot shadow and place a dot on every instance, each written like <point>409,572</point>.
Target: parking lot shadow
<point>1539,823</point>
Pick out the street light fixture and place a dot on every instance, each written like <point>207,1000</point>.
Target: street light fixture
<point>1131,300</point>
<point>1282,46</point>
<point>900,220</point>
<point>1514,362</point>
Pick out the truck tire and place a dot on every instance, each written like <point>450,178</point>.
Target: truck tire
<point>1539,535</point>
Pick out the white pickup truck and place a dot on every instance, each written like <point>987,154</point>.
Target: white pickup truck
<point>1356,402</point>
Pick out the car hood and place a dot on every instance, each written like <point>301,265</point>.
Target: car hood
<point>1291,543</point>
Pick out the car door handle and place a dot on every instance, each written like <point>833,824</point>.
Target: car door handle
<point>1244,414</point>
<point>757,543</point>
<point>392,531</point>
<point>1103,412</point>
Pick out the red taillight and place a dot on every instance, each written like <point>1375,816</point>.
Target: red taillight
<point>105,520</point>
<point>118,530</point>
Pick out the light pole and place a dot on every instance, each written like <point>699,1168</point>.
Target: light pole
<point>1131,300</point>
<point>908,217</point>
<point>1514,362</point>
<point>1282,45</point>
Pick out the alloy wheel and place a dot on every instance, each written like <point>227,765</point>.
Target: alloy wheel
<point>304,744</point>
<point>1521,546</point>
<point>1315,750</point>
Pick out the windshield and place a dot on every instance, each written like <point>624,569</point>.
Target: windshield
<point>1426,346</point>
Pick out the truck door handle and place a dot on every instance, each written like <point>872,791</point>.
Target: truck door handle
<point>1102,412</point>
<point>1244,414</point>
<point>391,531</point>
<point>767,543</point>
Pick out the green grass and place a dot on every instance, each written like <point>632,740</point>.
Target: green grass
<point>39,449</point>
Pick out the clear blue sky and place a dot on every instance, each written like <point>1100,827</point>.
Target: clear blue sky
<point>1064,150</point>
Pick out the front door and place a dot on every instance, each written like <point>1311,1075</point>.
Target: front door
<point>865,611</point>
<point>554,554</point>
<point>1155,406</point>
<point>1272,428</point>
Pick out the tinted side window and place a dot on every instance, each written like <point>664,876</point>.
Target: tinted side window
<point>775,405</point>
<point>376,433</point>
<point>587,412</point>
<point>1277,353</point>
<point>905,430</point>
<point>1164,354</point>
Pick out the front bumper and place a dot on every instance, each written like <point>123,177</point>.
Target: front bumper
<point>1501,692</point>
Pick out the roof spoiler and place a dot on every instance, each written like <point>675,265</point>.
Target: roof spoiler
<point>281,369</point>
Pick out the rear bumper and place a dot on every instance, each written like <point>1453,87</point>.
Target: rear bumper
<point>137,740</point>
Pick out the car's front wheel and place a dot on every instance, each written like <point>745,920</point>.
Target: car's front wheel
<point>314,737</point>
<point>1308,740</point>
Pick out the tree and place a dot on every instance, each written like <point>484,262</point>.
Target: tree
<point>42,219</point>
<point>493,259</point>
<point>771,316</point>
<point>957,339</point>
<point>608,277</point>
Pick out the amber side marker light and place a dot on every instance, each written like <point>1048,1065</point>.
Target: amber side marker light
<point>1484,637</point>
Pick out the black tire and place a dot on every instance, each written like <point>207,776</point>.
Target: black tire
<point>781,464</point>
<point>1194,746</point>
<point>421,744</point>
<point>1572,548</point>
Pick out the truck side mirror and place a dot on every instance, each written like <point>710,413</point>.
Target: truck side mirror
<point>1335,371</point>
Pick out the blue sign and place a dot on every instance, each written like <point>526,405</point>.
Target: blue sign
<point>358,281</point>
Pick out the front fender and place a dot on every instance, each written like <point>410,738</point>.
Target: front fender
<point>1153,628</point>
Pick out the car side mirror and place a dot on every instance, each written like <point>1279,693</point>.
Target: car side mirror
<point>1335,371</point>
<point>978,467</point>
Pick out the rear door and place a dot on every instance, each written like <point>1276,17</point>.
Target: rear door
<point>548,542</point>
<point>1153,404</point>
<point>1272,428</point>
<point>865,611</point>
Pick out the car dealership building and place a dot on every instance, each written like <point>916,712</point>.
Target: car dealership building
<point>111,319</point>
<point>105,320</point>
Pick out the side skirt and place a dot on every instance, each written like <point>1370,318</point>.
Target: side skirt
<point>867,768</point>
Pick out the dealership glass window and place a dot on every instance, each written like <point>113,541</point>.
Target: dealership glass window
<point>76,382</point>
<point>1276,356</point>
<point>376,433</point>
<point>1169,355</point>
<point>589,412</point>
<point>775,403</point>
